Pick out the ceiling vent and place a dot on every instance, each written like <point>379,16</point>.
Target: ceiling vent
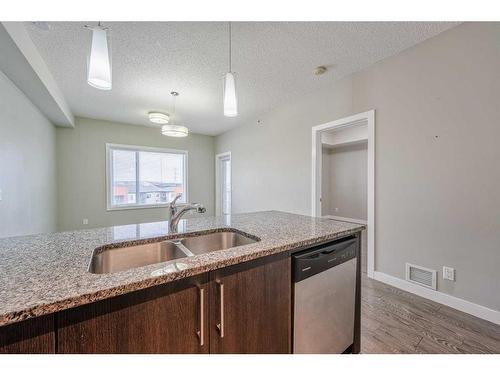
<point>421,276</point>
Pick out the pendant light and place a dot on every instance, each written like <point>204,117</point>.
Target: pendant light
<point>171,130</point>
<point>99,64</point>
<point>158,118</point>
<point>230,99</point>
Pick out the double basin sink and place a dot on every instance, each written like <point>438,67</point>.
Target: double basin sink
<point>109,260</point>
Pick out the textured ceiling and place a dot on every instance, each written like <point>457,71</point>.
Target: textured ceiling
<point>273,62</point>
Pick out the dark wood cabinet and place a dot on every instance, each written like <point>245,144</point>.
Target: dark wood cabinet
<point>169,318</point>
<point>32,336</point>
<point>251,307</point>
<point>244,308</point>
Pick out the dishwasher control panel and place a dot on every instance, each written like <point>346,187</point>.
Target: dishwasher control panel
<point>317,259</point>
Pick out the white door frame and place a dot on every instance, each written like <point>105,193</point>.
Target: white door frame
<point>358,119</point>
<point>218,201</point>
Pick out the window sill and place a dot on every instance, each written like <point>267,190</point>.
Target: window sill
<point>141,207</point>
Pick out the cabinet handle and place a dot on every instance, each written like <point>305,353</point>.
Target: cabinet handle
<point>220,326</point>
<point>201,332</point>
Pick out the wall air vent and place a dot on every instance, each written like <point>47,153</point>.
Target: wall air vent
<point>421,276</point>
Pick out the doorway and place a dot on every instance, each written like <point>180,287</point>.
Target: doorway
<point>344,177</point>
<point>348,135</point>
<point>223,184</point>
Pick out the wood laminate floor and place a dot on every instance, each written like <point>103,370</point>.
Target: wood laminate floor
<point>394,321</point>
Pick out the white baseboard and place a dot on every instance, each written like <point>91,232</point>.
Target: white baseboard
<point>348,219</point>
<point>440,297</point>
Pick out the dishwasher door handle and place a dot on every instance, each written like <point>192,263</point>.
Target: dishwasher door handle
<point>339,247</point>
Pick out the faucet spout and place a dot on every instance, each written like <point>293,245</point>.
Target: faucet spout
<point>177,212</point>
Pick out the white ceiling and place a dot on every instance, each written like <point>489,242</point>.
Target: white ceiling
<point>273,62</point>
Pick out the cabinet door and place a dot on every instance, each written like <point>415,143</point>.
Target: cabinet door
<point>250,308</point>
<point>170,318</point>
<point>32,336</point>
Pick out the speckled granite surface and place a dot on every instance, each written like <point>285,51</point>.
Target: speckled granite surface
<point>45,273</point>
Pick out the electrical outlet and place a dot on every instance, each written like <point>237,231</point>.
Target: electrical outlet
<point>0,194</point>
<point>448,273</point>
<point>85,221</point>
<point>336,209</point>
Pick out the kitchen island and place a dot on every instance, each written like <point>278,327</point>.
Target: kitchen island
<point>48,294</point>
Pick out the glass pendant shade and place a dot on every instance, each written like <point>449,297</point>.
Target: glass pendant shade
<point>230,100</point>
<point>99,67</point>
<point>174,130</point>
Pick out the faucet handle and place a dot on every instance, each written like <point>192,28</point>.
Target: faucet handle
<point>172,204</point>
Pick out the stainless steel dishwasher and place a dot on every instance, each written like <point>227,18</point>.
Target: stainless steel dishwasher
<point>324,297</point>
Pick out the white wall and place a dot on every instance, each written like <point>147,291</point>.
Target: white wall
<point>27,165</point>
<point>345,180</point>
<point>437,176</point>
<point>82,172</point>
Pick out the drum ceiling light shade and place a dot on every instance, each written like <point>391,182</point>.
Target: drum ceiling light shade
<point>99,66</point>
<point>158,118</point>
<point>174,131</point>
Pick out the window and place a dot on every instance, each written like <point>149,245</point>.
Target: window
<point>144,176</point>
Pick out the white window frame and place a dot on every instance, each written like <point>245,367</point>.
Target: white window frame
<point>109,177</point>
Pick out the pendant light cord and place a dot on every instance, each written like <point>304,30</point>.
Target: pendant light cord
<point>173,120</point>
<point>174,98</point>
<point>229,46</point>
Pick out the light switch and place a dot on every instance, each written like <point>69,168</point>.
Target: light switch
<point>0,194</point>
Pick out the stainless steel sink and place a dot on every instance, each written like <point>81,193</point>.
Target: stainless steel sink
<point>215,241</point>
<point>125,258</point>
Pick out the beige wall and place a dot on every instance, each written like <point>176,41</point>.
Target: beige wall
<point>27,165</point>
<point>82,176</point>
<point>437,174</point>
<point>345,179</point>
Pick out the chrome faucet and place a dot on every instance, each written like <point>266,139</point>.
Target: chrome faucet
<point>176,213</point>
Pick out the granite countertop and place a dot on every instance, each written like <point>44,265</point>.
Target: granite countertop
<point>45,273</point>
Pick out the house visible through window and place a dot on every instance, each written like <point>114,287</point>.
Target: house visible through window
<point>143,176</point>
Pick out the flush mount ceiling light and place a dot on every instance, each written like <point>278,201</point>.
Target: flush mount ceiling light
<point>158,117</point>
<point>172,130</point>
<point>99,63</point>
<point>230,99</point>
<point>319,70</point>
